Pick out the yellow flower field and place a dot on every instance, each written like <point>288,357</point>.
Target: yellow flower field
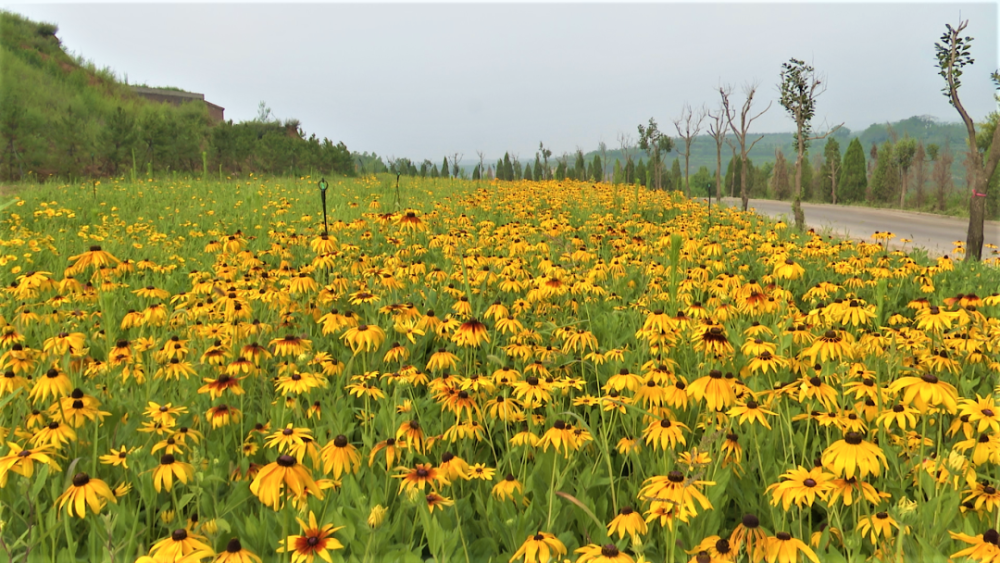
<point>557,371</point>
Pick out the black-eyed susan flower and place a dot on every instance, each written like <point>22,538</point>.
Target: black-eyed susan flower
<point>665,434</point>
<point>436,501</point>
<point>420,476</point>
<point>340,457</point>
<point>783,548</point>
<point>853,455</point>
<point>540,548</point>
<point>364,337</point>
<point>273,478</point>
<point>314,540</point>
<point>983,547</point>
<point>290,345</point>
<point>753,412</point>
<point>800,486</point>
<point>925,392</point>
<point>715,389</point>
<point>628,521</point>
<point>85,491</point>
<point>236,553</point>
<point>607,553</point>
<point>54,385</point>
<point>168,469</point>
<point>181,545</point>
<point>506,487</point>
<point>878,524</point>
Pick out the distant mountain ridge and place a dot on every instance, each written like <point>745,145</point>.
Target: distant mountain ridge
<point>924,128</point>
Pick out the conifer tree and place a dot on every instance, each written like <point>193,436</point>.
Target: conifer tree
<point>444,167</point>
<point>852,180</point>
<point>641,173</point>
<point>597,171</point>
<point>885,177</point>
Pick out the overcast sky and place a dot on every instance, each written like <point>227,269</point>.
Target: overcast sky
<point>425,80</point>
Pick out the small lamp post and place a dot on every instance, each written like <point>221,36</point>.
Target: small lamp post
<point>322,195</point>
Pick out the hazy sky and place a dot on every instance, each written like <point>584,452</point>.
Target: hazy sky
<point>425,80</point>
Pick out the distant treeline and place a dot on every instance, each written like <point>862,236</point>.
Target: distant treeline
<point>62,116</point>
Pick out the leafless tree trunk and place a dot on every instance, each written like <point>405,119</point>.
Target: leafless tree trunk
<point>746,118</point>
<point>688,126</point>
<point>455,157</point>
<point>717,128</point>
<point>626,144</point>
<point>482,172</point>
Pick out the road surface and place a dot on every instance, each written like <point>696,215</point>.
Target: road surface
<point>935,233</point>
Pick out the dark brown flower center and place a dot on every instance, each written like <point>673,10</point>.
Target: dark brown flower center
<point>286,460</point>
<point>80,479</point>
<point>783,536</point>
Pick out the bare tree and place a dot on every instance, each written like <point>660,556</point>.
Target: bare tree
<point>482,157</point>
<point>656,144</point>
<point>546,153</point>
<point>688,126</point>
<point>626,145</point>
<point>717,129</point>
<point>455,157</point>
<point>953,54</point>
<point>746,118</point>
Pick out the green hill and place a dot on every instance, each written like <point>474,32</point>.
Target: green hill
<point>62,116</point>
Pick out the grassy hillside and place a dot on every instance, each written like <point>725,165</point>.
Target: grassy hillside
<point>61,116</point>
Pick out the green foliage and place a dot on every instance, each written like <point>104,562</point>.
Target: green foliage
<point>798,96</point>
<point>444,168</point>
<point>642,174</point>
<point>732,178</point>
<point>700,180</point>
<point>831,164</point>
<point>782,188</point>
<point>885,182</point>
<point>852,180</point>
<point>580,167</point>
<point>597,169</point>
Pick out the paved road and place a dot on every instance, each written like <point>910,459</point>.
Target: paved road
<point>935,233</point>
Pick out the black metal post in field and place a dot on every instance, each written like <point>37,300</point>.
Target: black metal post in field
<point>322,195</point>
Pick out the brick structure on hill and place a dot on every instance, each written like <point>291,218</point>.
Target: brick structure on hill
<point>177,98</point>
